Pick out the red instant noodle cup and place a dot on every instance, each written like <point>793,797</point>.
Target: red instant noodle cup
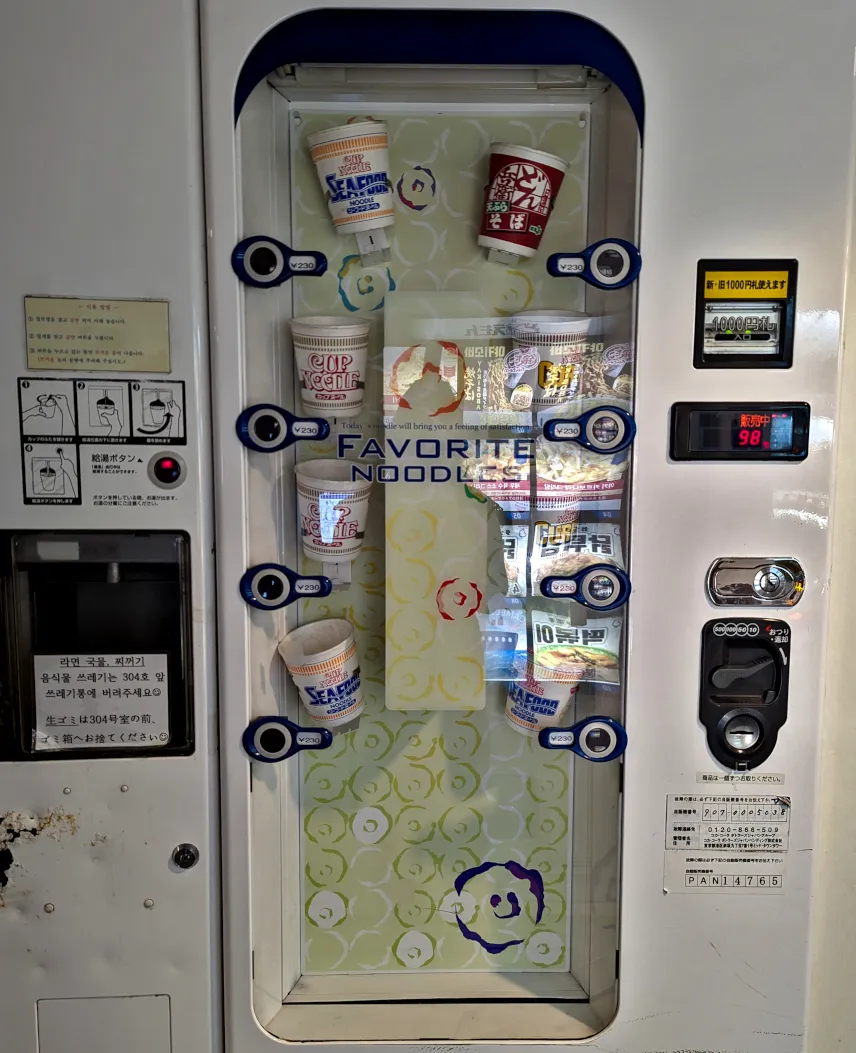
<point>519,197</point>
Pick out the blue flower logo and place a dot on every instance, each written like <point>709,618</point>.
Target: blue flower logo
<point>417,188</point>
<point>363,288</point>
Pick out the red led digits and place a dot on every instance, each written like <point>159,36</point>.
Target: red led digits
<point>751,430</point>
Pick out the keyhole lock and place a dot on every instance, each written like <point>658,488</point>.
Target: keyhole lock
<point>773,583</point>
<point>185,856</point>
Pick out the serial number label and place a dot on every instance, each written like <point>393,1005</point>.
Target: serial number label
<point>723,873</point>
<point>733,823</point>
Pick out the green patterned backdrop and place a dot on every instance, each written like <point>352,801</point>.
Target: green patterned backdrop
<point>397,808</point>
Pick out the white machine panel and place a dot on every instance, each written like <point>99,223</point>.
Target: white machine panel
<point>198,887</point>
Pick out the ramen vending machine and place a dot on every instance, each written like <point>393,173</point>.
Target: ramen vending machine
<point>482,524</point>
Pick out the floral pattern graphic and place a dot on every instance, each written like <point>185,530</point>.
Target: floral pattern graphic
<point>416,188</point>
<point>363,288</point>
<point>458,599</point>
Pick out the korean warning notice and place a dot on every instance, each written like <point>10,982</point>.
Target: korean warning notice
<point>85,701</point>
<point>126,336</point>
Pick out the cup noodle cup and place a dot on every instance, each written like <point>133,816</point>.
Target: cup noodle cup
<point>321,658</point>
<point>548,354</point>
<point>333,509</point>
<point>542,700</point>
<point>330,355</point>
<point>352,162</point>
<point>522,188</point>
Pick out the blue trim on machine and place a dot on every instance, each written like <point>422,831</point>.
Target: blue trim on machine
<point>429,36</point>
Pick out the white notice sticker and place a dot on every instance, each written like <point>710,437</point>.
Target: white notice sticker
<point>742,778</point>
<point>68,332</point>
<point>733,823</point>
<point>723,873</point>
<point>118,701</point>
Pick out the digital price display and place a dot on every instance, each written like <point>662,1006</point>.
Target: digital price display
<point>710,431</point>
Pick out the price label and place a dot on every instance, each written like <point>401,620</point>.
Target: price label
<point>302,263</point>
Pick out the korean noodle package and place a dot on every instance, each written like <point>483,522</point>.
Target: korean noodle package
<point>608,372</point>
<point>564,549</point>
<point>568,475</point>
<point>512,572</point>
<point>587,652</point>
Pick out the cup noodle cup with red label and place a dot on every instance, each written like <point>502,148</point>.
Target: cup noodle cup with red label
<point>548,354</point>
<point>542,700</point>
<point>333,509</point>
<point>330,355</point>
<point>321,658</point>
<point>522,188</point>
<point>352,162</point>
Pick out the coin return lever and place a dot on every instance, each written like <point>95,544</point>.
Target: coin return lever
<point>744,688</point>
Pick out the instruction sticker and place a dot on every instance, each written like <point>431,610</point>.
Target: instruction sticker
<point>158,411</point>
<point>104,411</point>
<point>701,872</point>
<point>125,336</point>
<point>742,778</point>
<point>60,417</point>
<point>734,824</point>
<point>51,474</point>
<point>84,701</point>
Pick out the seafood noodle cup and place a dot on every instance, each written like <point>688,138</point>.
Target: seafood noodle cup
<point>321,658</point>
<point>543,699</point>
<point>352,162</point>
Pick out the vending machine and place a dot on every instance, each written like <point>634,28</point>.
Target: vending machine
<point>414,635</point>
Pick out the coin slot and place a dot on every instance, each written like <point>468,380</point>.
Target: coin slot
<point>742,734</point>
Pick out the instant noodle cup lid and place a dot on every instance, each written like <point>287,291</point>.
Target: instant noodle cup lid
<point>553,323</point>
<point>329,474</point>
<point>328,325</point>
<point>316,642</point>
<point>360,126</point>
<point>528,153</point>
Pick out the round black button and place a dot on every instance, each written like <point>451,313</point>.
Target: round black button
<point>167,470</point>
<point>605,429</point>
<point>609,263</point>
<point>263,260</point>
<point>598,740</point>
<point>600,588</point>
<point>270,587</point>
<point>267,428</point>
<point>272,741</point>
